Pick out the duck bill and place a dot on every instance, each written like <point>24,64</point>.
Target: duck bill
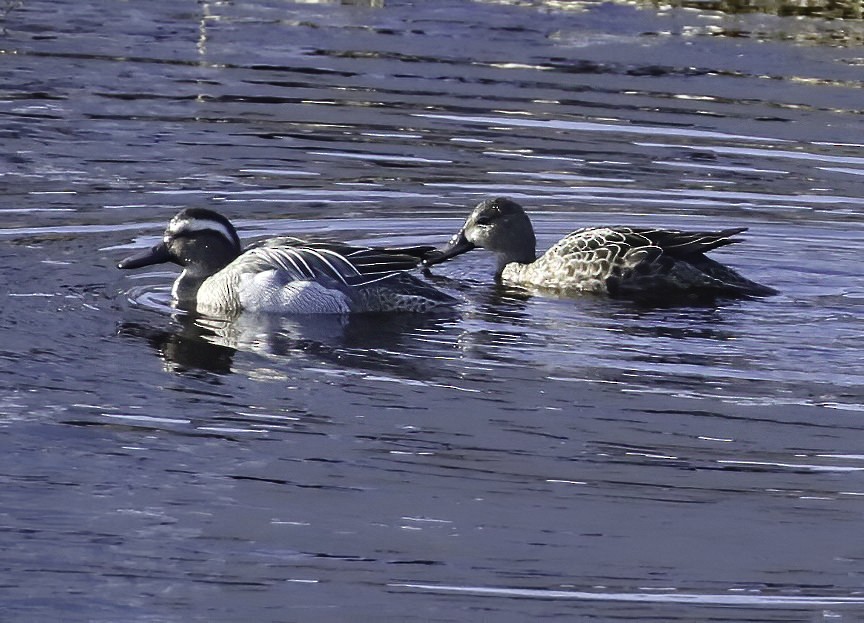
<point>157,255</point>
<point>458,245</point>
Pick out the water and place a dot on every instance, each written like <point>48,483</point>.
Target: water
<point>526,457</point>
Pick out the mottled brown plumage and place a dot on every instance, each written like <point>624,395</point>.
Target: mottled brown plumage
<point>619,261</point>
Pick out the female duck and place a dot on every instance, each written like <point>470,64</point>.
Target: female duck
<point>284,274</point>
<point>619,261</point>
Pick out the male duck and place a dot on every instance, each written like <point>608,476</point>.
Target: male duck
<point>619,261</point>
<point>283,274</point>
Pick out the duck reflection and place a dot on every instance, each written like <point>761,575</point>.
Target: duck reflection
<point>630,344</point>
<point>182,348</point>
<point>194,342</point>
<point>680,318</point>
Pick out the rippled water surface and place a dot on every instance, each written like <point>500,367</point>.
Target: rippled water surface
<point>526,457</point>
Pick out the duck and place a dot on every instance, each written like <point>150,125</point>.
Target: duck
<point>284,274</point>
<point>632,262</point>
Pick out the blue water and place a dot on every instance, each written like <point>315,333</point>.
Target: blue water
<point>528,456</point>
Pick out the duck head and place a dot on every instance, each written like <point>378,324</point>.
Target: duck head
<point>499,225</point>
<point>202,241</point>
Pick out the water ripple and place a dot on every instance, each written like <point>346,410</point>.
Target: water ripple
<point>672,596</point>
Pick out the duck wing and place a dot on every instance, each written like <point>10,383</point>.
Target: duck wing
<point>603,245</point>
<point>374,260</point>
<point>588,259</point>
<point>677,260</point>
<point>683,244</point>
<point>354,266</point>
<point>640,261</point>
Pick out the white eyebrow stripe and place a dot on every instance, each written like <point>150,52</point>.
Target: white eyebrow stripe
<point>196,225</point>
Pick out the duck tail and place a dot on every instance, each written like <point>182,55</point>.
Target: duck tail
<point>750,288</point>
<point>730,281</point>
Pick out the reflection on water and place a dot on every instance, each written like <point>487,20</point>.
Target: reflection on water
<point>670,597</point>
<point>834,22</point>
<point>832,9</point>
<point>182,350</point>
<point>379,342</point>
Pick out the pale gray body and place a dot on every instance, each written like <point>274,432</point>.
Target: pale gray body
<point>285,275</point>
<point>295,280</point>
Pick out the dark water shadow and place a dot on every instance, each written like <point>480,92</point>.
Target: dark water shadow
<point>183,349</point>
<point>192,343</point>
<point>698,315</point>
